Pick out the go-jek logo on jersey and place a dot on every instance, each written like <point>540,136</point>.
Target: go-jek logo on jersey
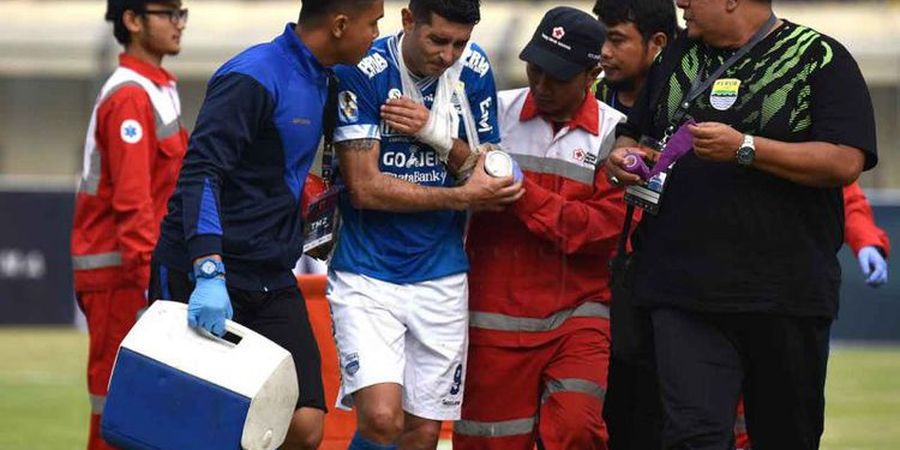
<point>416,158</point>
<point>419,166</point>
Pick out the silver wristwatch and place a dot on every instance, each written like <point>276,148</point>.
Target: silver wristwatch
<point>746,153</point>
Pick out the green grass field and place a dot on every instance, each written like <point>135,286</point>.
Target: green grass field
<point>44,406</point>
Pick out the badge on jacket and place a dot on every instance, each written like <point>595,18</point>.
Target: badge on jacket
<point>321,223</point>
<point>349,108</point>
<point>724,93</point>
<point>131,131</point>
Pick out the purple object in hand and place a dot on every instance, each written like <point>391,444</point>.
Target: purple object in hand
<point>678,145</point>
<point>635,164</point>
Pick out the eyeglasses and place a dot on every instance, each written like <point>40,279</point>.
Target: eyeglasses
<point>176,16</point>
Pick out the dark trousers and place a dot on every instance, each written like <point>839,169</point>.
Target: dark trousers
<point>632,408</point>
<point>705,360</point>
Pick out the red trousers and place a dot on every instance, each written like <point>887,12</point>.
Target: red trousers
<point>110,314</point>
<point>554,392</point>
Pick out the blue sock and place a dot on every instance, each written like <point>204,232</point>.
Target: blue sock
<point>361,443</point>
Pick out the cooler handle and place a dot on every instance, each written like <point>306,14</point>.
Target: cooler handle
<point>234,334</point>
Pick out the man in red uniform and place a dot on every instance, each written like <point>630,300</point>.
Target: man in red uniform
<point>539,328</point>
<point>132,154</point>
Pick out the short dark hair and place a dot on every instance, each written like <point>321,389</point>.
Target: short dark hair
<point>466,12</point>
<point>122,35</point>
<point>649,16</point>
<point>313,10</point>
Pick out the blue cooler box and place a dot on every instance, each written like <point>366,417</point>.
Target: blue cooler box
<point>176,388</point>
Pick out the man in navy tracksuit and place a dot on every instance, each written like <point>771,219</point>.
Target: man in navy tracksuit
<point>234,228</point>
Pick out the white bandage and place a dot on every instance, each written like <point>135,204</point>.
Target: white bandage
<point>438,132</point>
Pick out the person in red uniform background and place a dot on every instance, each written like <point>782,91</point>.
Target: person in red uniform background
<point>133,150</point>
<point>538,283</point>
<point>869,243</point>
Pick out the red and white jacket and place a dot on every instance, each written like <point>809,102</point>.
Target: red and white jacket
<point>859,223</point>
<point>132,155</point>
<point>540,268</point>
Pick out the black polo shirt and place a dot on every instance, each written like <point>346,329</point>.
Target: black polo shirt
<point>610,95</point>
<point>734,239</point>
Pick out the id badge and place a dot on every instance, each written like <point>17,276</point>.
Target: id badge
<point>649,196</point>
<point>321,224</point>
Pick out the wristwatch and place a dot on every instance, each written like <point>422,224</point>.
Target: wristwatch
<point>209,268</point>
<point>746,153</point>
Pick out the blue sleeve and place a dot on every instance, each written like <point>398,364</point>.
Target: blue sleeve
<point>359,109</point>
<point>482,92</point>
<point>235,109</point>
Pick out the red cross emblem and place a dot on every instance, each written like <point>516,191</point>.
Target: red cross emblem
<point>579,155</point>
<point>558,33</point>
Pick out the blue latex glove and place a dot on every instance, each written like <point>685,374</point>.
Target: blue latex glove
<point>516,171</point>
<point>210,305</point>
<point>873,266</point>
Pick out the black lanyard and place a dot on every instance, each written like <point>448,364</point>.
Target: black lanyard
<point>329,124</point>
<point>698,86</point>
<point>701,84</point>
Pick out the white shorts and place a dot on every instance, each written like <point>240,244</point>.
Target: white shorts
<point>415,335</point>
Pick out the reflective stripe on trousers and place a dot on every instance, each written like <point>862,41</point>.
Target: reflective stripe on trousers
<point>503,322</point>
<point>740,425</point>
<point>96,261</point>
<point>526,426</point>
<point>573,385</point>
<point>495,429</point>
<point>97,404</point>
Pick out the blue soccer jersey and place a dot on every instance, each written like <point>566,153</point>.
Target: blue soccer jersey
<point>405,247</point>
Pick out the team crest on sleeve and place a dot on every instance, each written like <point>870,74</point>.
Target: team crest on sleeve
<point>724,93</point>
<point>131,131</point>
<point>348,107</point>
